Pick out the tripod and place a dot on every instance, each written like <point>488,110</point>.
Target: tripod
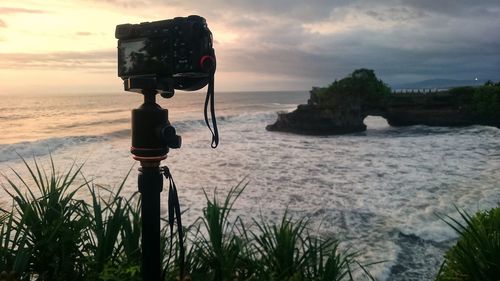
<point>152,136</point>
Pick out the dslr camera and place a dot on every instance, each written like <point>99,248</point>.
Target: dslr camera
<point>166,55</point>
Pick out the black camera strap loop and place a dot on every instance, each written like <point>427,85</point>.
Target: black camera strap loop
<point>174,214</point>
<point>210,99</point>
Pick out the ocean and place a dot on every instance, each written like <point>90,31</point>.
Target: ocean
<point>380,192</point>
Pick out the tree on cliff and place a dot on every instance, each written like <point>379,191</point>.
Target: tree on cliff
<point>482,100</point>
<point>486,99</point>
<point>361,85</point>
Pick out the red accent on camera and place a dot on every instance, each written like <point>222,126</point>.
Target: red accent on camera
<point>207,63</point>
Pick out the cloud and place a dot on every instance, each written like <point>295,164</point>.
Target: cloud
<point>456,8</point>
<point>315,42</point>
<point>125,4</point>
<point>2,23</point>
<point>92,60</point>
<point>11,10</point>
<point>327,40</point>
<point>83,33</point>
<point>396,14</point>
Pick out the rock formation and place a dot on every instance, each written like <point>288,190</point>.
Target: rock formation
<point>342,107</point>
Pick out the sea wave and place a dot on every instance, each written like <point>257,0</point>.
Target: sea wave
<point>431,131</point>
<point>14,116</point>
<point>196,124</point>
<point>96,123</point>
<point>43,147</point>
<point>112,111</point>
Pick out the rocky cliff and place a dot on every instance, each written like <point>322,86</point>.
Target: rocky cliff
<point>312,120</point>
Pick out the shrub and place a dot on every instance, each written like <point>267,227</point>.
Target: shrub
<point>49,234</point>
<point>47,222</point>
<point>476,255</point>
<point>281,248</point>
<point>218,252</point>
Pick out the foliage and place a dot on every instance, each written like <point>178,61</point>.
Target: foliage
<point>111,272</point>
<point>476,255</point>
<point>462,91</point>
<point>11,261</point>
<point>50,234</point>
<point>289,252</point>
<point>113,233</point>
<point>324,260</point>
<point>48,222</point>
<point>360,84</point>
<point>486,100</point>
<point>281,248</point>
<point>218,252</point>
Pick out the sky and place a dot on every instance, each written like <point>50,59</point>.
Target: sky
<point>68,46</point>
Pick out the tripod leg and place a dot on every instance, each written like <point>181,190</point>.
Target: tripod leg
<point>150,184</point>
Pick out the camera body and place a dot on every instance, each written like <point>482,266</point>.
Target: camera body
<point>165,55</point>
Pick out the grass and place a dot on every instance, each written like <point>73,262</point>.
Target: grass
<point>51,234</point>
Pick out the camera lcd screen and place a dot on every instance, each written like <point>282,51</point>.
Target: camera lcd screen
<point>139,57</point>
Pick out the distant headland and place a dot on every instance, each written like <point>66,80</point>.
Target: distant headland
<point>341,107</point>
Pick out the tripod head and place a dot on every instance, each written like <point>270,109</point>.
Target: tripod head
<point>152,133</point>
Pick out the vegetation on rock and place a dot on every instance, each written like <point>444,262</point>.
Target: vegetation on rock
<point>483,100</point>
<point>361,85</point>
<point>486,99</point>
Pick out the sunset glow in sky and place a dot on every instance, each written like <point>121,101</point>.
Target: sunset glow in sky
<point>49,46</point>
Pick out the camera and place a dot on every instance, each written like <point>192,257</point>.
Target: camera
<point>157,58</point>
<point>165,55</point>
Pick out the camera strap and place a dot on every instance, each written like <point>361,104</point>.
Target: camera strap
<point>210,99</point>
<point>174,214</point>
